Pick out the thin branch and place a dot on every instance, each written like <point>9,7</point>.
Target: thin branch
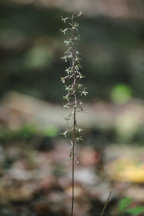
<point>103,210</point>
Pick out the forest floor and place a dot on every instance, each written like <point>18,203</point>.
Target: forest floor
<point>35,173</point>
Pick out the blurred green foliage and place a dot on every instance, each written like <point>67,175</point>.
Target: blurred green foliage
<point>27,131</point>
<point>120,94</point>
<point>125,206</point>
<point>51,131</point>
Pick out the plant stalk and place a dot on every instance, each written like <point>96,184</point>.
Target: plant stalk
<point>74,124</point>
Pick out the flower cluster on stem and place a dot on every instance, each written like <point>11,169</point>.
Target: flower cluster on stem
<point>73,86</point>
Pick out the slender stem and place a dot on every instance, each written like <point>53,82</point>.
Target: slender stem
<point>73,162</point>
<point>74,121</point>
<point>103,210</point>
<point>72,55</point>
